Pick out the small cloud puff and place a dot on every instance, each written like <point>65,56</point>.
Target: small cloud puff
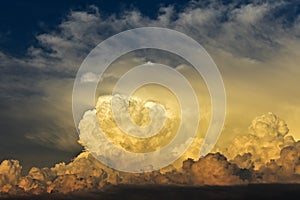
<point>89,77</point>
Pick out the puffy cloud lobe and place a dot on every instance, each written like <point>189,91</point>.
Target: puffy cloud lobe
<point>10,173</point>
<point>140,111</point>
<point>284,169</point>
<point>214,169</point>
<point>266,137</point>
<point>87,173</point>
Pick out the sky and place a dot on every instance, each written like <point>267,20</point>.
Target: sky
<point>255,44</point>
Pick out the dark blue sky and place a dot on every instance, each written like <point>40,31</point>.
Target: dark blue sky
<point>21,20</point>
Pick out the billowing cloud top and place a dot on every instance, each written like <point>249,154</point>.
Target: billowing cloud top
<point>250,164</point>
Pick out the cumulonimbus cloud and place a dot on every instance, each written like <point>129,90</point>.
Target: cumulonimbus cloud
<point>258,162</point>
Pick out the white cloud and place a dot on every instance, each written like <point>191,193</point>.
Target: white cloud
<point>89,77</point>
<point>250,14</point>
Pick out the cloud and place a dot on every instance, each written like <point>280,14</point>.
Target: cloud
<point>251,14</point>
<point>10,173</point>
<point>70,44</point>
<point>214,169</point>
<point>89,77</point>
<point>85,172</point>
<point>140,112</point>
<point>255,46</point>
<point>266,137</point>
